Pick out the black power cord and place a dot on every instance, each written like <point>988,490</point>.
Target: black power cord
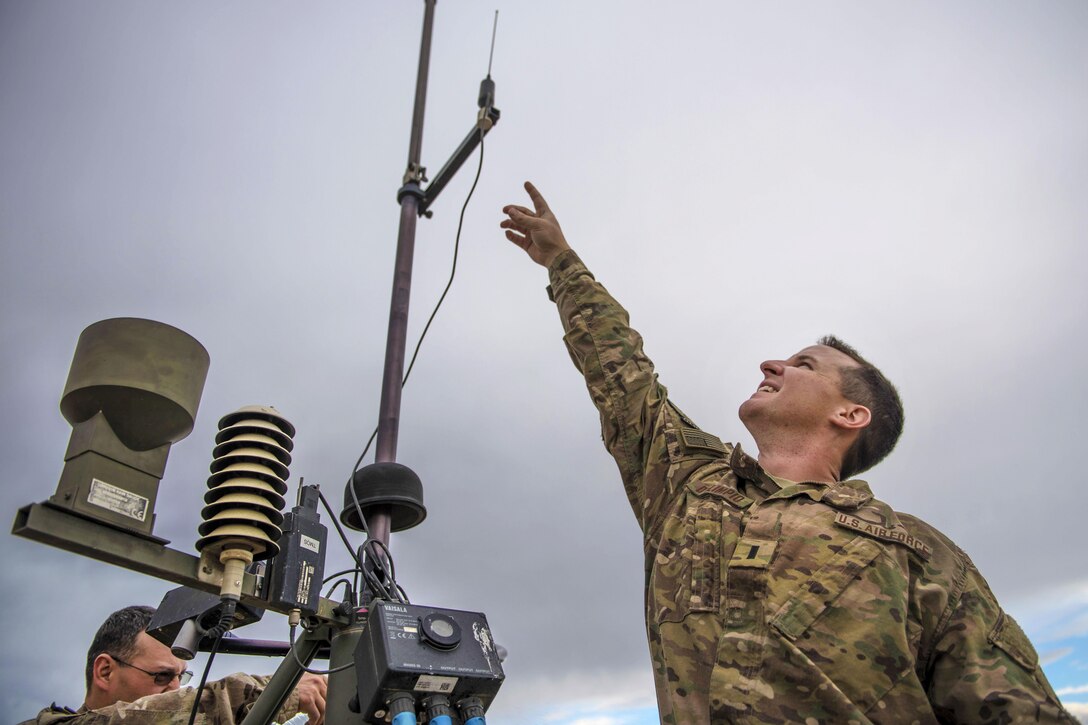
<point>204,678</point>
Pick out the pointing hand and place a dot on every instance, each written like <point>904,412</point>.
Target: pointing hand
<point>537,232</point>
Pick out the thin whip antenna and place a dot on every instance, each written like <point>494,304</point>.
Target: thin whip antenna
<point>491,56</point>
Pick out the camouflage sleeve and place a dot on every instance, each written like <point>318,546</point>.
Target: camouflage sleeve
<point>984,668</point>
<point>223,702</point>
<point>618,374</point>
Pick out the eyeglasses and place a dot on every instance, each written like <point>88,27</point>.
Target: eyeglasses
<point>161,678</point>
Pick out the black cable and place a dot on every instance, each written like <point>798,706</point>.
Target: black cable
<point>385,560</point>
<point>355,496</point>
<point>226,619</point>
<point>354,470</point>
<point>453,271</point>
<point>342,572</point>
<point>377,584</point>
<point>339,529</point>
<point>343,537</point>
<point>304,668</point>
<point>347,592</point>
<point>204,678</point>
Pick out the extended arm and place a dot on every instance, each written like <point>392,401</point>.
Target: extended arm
<point>607,351</point>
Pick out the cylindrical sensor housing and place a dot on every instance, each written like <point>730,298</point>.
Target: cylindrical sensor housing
<point>145,376</point>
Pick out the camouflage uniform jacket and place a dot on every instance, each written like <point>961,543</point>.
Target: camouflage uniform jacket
<point>812,603</point>
<point>224,702</point>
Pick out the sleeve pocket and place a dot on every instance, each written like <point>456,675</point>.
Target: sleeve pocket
<point>685,576</point>
<point>705,557</point>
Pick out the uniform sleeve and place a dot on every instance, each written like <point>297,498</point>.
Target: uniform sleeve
<point>224,702</point>
<point>984,668</point>
<point>618,374</point>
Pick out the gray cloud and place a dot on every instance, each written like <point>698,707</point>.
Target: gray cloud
<point>744,179</point>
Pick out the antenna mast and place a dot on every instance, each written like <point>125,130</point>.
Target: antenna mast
<point>410,196</point>
<point>414,202</point>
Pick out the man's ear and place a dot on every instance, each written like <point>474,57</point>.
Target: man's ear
<point>852,416</point>
<point>103,672</point>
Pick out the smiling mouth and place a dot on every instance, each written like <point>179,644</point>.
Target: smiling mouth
<point>765,389</point>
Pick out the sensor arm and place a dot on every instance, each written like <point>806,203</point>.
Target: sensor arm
<point>56,527</point>
<point>489,117</point>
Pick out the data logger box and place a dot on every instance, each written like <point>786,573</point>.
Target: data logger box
<point>424,651</point>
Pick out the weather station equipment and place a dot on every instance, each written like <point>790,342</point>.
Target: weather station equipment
<point>134,389</point>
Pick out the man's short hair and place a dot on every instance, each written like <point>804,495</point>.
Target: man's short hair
<point>866,385</point>
<point>117,636</point>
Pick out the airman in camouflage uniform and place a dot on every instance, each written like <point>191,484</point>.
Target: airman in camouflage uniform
<point>134,679</point>
<point>783,598</point>
<point>224,702</point>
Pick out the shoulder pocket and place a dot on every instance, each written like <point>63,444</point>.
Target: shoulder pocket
<point>1010,639</point>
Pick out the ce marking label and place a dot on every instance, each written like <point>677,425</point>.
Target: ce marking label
<point>402,635</point>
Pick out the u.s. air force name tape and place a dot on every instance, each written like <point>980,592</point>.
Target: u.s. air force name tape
<point>897,534</point>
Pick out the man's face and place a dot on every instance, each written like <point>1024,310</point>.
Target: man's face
<point>127,683</point>
<point>799,393</point>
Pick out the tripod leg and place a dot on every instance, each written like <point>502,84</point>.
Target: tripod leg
<point>287,676</point>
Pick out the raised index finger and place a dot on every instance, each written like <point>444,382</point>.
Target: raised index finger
<point>538,199</point>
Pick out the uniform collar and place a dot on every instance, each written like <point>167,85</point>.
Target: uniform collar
<point>852,494</point>
<point>848,495</point>
<point>749,469</point>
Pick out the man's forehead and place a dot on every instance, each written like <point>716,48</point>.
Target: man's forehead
<point>826,355</point>
<point>155,651</point>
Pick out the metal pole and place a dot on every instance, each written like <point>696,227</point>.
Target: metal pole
<point>409,196</point>
<point>415,146</point>
<point>344,683</point>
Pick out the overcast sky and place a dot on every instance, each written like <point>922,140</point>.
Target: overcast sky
<point>744,177</point>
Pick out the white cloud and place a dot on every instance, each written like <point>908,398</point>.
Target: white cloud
<point>1079,710</point>
<point>1075,690</point>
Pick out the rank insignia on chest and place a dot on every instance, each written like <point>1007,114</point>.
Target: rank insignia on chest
<point>753,553</point>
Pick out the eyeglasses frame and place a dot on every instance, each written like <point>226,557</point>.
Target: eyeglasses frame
<point>182,677</point>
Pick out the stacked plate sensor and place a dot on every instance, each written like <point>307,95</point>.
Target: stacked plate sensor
<point>244,502</point>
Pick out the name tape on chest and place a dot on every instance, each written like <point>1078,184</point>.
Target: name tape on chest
<point>895,534</point>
